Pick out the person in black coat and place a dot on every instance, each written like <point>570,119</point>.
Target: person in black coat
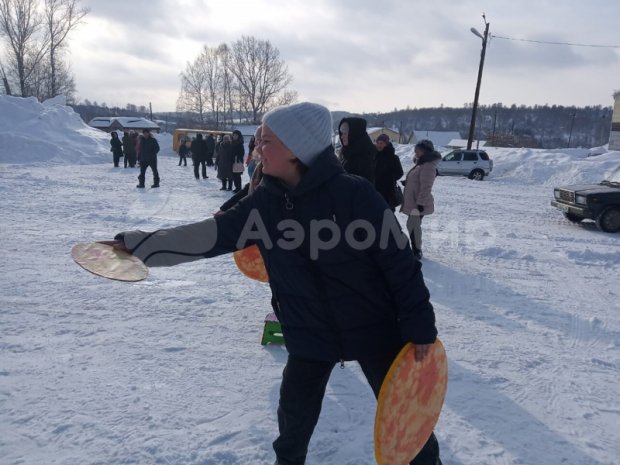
<point>199,156</point>
<point>238,151</point>
<point>388,170</point>
<point>358,152</point>
<point>350,298</point>
<point>116,147</point>
<point>149,148</point>
<point>129,149</point>
<point>210,143</point>
<point>183,152</point>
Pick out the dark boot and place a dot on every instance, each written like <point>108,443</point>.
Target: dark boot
<point>223,188</point>
<point>140,182</point>
<point>229,185</point>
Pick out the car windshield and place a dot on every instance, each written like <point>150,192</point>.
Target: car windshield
<point>613,178</point>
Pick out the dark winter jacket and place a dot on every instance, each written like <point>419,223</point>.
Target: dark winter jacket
<point>183,150</point>
<point>199,149</point>
<point>238,150</point>
<point>358,157</point>
<point>149,148</point>
<point>224,160</point>
<point>129,145</point>
<point>116,146</point>
<point>342,303</point>
<point>388,170</point>
<point>210,143</point>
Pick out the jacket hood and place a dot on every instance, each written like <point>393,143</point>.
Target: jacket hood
<point>357,127</point>
<point>432,157</point>
<point>325,166</point>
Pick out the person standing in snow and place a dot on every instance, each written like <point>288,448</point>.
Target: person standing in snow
<point>199,156</point>
<point>210,142</point>
<point>116,147</point>
<point>183,152</point>
<point>358,152</point>
<point>418,199</point>
<point>388,170</point>
<point>238,151</point>
<point>129,148</point>
<point>149,148</point>
<point>338,303</point>
<point>224,161</point>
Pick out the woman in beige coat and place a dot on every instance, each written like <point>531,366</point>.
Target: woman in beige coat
<point>418,200</point>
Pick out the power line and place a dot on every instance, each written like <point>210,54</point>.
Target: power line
<point>555,43</point>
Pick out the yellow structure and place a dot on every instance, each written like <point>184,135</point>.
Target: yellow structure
<point>189,134</point>
<point>376,132</point>
<point>614,135</point>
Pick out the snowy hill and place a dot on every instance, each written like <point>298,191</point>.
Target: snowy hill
<point>170,370</point>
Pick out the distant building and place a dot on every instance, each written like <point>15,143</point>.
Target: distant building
<point>376,132</point>
<point>438,138</point>
<point>123,123</point>
<point>614,135</point>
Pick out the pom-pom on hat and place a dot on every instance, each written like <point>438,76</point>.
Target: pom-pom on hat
<point>305,128</point>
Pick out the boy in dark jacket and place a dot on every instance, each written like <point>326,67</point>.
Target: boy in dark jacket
<point>343,289</point>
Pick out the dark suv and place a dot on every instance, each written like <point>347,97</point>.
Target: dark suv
<point>598,202</point>
<point>475,164</point>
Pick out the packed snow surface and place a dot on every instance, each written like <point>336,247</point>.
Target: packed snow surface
<point>170,370</point>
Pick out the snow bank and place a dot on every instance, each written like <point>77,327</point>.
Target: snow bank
<point>543,167</point>
<point>50,132</point>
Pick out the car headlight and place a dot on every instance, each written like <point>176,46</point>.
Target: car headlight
<point>581,199</point>
<point>556,194</point>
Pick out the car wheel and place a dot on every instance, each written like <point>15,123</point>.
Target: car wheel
<point>573,218</point>
<point>477,175</point>
<point>609,220</point>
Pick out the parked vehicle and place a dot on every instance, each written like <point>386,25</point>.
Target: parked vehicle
<point>475,164</point>
<point>599,202</point>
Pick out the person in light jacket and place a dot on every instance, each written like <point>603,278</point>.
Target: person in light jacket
<point>418,199</point>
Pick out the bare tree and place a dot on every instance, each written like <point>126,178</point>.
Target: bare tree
<point>61,17</point>
<point>260,73</point>
<point>5,81</point>
<point>20,23</point>
<point>225,94</point>
<point>193,96</point>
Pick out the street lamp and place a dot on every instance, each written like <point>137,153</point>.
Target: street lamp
<point>484,38</point>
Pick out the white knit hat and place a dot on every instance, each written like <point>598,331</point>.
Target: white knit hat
<point>305,128</point>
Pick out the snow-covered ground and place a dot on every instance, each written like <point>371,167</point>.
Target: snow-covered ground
<point>170,370</point>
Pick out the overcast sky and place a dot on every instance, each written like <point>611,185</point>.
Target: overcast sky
<point>359,55</point>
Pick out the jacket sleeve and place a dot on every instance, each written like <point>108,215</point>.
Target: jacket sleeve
<point>397,169</point>
<point>401,271</point>
<point>190,242</point>
<point>427,179</point>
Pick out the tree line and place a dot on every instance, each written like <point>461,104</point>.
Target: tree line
<point>538,126</point>
<point>35,34</point>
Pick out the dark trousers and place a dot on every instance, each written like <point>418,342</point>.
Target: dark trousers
<point>301,396</point>
<point>227,182</point>
<point>144,164</point>
<point>237,180</point>
<point>130,159</point>
<point>116,157</point>
<point>197,163</point>
<point>182,159</point>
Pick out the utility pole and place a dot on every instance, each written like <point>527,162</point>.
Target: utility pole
<point>572,122</point>
<point>484,38</point>
<point>151,110</point>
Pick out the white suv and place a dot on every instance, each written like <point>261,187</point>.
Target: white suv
<point>475,164</point>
